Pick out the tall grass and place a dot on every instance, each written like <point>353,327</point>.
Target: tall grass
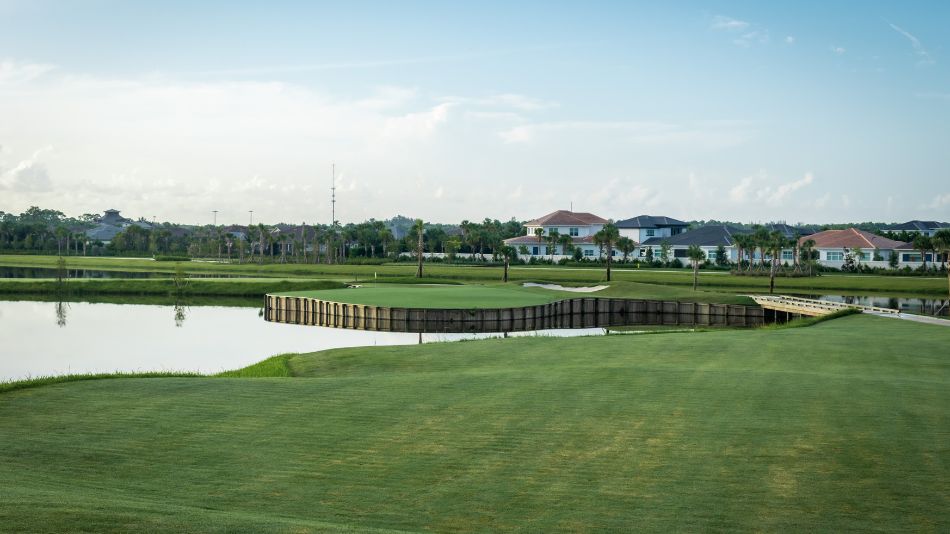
<point>275,366</point>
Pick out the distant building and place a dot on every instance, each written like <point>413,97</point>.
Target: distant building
<point>580,226</point>
<point>708,238</point>
<point>108,226</point>
<point>644,227</point>
<point>927,228</point>
<point>834,247</point>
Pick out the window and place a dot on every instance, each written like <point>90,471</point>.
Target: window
<point>711,254</point>
<point>574,232</point>
<point>910,257</point>
<point>834,256</point>
<point>588,252</point>
<point>675,231</point>
<point>651,232</point>
<point>865,256</point>
<point>788,255</point>
<point>535,251</point>
<point>679,253</point>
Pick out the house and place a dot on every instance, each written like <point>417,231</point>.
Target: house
<point>708,238</point>
<point>644,227</point>
<point>579,226</point>
<point>789,231</point>
<point>927,228</point>
<point>834,247</point>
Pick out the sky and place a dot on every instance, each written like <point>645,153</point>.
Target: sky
<point>744,111</point>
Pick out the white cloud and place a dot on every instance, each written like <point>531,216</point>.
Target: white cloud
<point>721,22</point>
<point>748,39</point>
<point>706,135</point>
<point>740,192</point>
<point>777,196</point>
<point>12,72</point>
<point>760,188</point>
<point>29,175</point>
<point>790,39</point>
<point>939,201</point>
<point>919,50</point>
<point>838,50</point>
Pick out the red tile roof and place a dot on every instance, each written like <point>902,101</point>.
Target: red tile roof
<point>852,238</point>
<point>567,218</point>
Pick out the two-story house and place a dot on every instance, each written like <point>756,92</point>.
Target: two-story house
<point>579,226</point>
<point>645,227</point>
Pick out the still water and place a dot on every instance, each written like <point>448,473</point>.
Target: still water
<point>920,306</point>
<point>43,272</point>
<point>53,338</point>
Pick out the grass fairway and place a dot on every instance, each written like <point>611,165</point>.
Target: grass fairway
<point>842,426</point>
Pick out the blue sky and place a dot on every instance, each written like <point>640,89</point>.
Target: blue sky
<point>751,111</point>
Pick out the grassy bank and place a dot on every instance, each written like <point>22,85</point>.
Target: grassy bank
<point>717,281</point>
<point>224,287</point>
<point>841,426</point>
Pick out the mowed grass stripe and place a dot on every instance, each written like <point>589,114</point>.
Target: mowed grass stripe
<point>747,430</point>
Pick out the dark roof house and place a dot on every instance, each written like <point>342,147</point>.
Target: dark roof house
<point>651,221</point>
<point>704,236</point>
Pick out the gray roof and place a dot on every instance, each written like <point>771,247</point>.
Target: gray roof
<point>103,232</point>
<point>650,221</point>
<point>916,226</point>
<point>704,236</point>
<point>789,231</point>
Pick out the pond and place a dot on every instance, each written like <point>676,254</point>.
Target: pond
<point>921,306</point>
<point>44,272</point>
<point>53,338</point>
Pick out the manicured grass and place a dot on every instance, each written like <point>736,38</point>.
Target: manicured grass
<point>436,296</point>
<point>718,281</point>
<point>841,426</point>
<point>503,295</point>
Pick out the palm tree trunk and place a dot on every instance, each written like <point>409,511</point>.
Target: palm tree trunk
<point>695,274</point>
<point>506,269</point>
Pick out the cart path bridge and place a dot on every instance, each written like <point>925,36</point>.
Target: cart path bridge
<point>797,306</point>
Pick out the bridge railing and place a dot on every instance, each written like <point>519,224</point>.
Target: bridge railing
<point>813,304</point>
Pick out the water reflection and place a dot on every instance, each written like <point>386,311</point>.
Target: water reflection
<point>135,337</point>
<point>61,308</point>
<point>179,315</point>
<point>925,306</point>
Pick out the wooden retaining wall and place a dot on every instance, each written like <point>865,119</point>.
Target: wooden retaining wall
<point>588,312</point>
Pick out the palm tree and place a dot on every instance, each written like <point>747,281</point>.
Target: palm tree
<point>923,244</point>
<point>386,238</point>
<point>941,242</point>
<point>762,239</point>
<point>508,253</point>
<point>552,239</point>
<point>626,245</point>
<point>776,243</point>
<point>567,244</point>
<point>606,238</point>
<point>539,233</point>
<point>740,241</point>
<point>262,235</point>
<point>807,250</point>
<point>695,255</point>
<point>419,228</point>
